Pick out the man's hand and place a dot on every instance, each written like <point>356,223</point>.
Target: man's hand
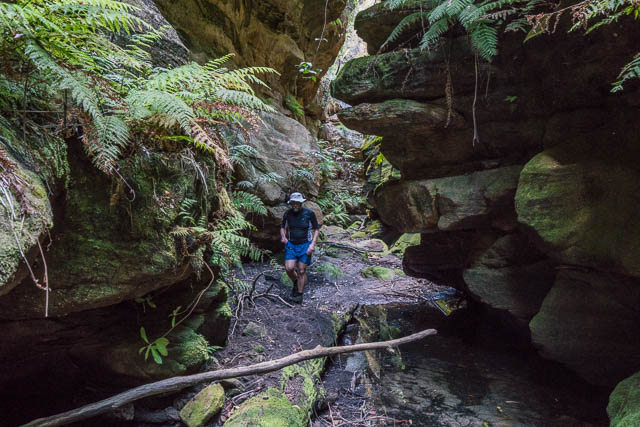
<point>311,249</point>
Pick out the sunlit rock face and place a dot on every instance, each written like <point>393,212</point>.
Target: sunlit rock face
<point>272,33</point>
<point>540,177</point>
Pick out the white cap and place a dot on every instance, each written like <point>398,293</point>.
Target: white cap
<point>296,197</point>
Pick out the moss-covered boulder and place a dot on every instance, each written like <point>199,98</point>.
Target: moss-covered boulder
<point>403,242</point>
<point>381,273</point>
<point>479,200</point>
<point>581,202</point>
<point>268,409</point>
<point>624,403</point>
<point>115,247</point>
<point>204,405</point>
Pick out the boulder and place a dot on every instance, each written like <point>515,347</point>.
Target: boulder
<point>580,203</point>
<point>110,250</point>
<point>404,242</point>
<point>283,146</point>
<point>589,322</point>
<point>413,74</point>
<point>511,275</point>
<point>624,403</point>
<point>385,118</point>
<point>205,405</point>
<point>376,23</point>
<point>168,50</point>
<point>478,200</point>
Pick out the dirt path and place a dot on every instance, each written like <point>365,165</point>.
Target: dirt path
<point>272,328</point>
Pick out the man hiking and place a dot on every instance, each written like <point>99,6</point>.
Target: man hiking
<point>299,233</point>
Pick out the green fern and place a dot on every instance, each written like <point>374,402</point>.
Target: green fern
<point>408,24</point>
<point>248,202</point>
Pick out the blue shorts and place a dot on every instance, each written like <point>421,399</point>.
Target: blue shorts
<point>297,252</point>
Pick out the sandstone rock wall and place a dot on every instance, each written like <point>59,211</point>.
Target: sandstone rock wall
<point>534,218</point>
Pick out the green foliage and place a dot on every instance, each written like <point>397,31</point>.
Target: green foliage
<point>157,348</point>
<point>334,207</point>
<point>292,104</point>
<point>68,45</point>
<point>483,19</point>
<point>307,71</point>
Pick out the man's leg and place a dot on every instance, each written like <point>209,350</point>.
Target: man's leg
<point>302,276</point>
<point>290,268</point>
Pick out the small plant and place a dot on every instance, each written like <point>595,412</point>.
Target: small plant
<point>292,104</point>
<point>157,348</point>
<point>307,70</point>
<point>146,301</point>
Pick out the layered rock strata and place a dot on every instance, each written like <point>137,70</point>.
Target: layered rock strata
<point>525,201</point>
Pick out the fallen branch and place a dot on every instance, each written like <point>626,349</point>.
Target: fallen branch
<point>178,383</point>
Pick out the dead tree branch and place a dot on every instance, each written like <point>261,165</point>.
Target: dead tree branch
<point>178,383</point>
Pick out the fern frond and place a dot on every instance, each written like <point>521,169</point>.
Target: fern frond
<point>248,202</point>
<point>407,24</point>
<point>484,40</point>
<point>154,101</point>
<point>436,29</point>
<point>629,71</point>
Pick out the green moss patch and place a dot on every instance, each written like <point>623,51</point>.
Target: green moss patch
<point>403,242</point>
<point>268,409</point>
<point>203,406</point>
<point>382,273</point>
<point>624,403</point>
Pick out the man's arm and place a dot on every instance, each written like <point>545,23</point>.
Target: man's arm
<point>312,246</point>
<point>283,229</point>
<point>316,232</point>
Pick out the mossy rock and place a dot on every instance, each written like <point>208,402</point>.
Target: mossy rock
<point>581,203</point>
<point>268,409</point>
<point>373,229</point>
<point>335,252</point>
<point>34,218</point>
<point>203,406</point>
<point>403,242</point>
<point>624,403</point>
<point>254,330</point>
<point>382,273</point>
